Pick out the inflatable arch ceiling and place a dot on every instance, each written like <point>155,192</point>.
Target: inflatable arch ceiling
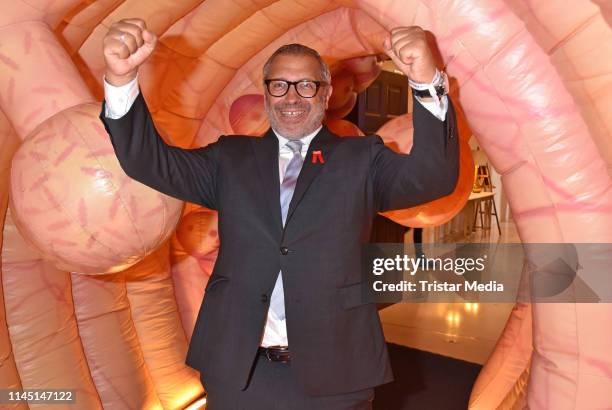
<point>100,291</point>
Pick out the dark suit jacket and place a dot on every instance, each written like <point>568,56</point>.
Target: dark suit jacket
<point>335,338</point>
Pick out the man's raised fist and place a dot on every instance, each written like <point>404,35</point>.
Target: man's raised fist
<point>127,45</point>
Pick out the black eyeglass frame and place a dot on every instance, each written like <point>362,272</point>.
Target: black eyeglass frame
<point>317,83</point>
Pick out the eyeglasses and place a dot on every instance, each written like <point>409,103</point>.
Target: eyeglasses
<point>304,88</point>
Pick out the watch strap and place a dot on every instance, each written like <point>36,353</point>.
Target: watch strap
<point>436,89</point>
<point>440,91</point>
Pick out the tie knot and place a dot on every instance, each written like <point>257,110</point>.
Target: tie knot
<point>295,146</point>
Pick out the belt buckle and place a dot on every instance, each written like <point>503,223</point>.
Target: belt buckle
<point>276,357</point>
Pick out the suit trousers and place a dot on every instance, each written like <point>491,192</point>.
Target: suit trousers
<point>273,386</point>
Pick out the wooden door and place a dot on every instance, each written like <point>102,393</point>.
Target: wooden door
<point>384,99</point>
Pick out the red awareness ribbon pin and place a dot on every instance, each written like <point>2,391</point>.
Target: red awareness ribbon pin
<point>317,156</point>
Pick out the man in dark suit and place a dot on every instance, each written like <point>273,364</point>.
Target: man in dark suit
<point>283,324</point>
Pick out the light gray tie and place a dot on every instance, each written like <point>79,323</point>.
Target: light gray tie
<point>277,300</point>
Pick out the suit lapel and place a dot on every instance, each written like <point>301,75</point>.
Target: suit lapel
<point>266,153</point>
<point>325,142</point>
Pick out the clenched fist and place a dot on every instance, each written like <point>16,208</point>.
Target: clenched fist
<point>408,48</point>
<point>127,45</point>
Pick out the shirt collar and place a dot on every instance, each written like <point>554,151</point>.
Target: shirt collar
<point>306,140</point>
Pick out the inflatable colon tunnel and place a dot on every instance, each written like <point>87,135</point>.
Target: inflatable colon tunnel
<point>102,277</point>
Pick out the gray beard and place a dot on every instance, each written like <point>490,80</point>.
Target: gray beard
<point>307,129</point>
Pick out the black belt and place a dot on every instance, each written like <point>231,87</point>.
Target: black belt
<point>275,353</point>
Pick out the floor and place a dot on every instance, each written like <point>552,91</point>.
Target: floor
<point>466,331</point>
<point>426,381</point>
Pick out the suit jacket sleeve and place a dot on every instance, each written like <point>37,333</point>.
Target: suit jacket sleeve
<point>186,174</point>
<point>428,172</point>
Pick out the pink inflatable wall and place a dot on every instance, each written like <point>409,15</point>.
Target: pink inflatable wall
<point>102,277</point>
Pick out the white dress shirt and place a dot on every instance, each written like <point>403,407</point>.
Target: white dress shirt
<point>275,332</point>
<point>118,103</point>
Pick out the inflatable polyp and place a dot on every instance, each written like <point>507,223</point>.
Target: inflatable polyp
<point>197,233</point>
<point>343,128</point>
<point>343,84</point>
<point>365,70</point>
<point>345,109</point>
<point>247,115</point>
<point>72,201</point>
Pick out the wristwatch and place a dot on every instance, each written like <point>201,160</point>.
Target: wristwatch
<point>440,91</point>
<point>439,85</point>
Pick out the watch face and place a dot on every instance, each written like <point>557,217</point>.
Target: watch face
<point>440,87</point>
<point>441,90</point>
